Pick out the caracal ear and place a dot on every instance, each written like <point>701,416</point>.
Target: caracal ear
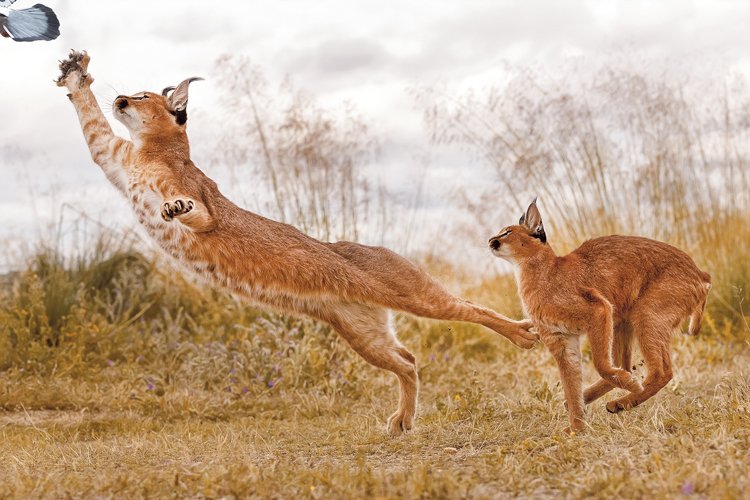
<point>532,219</point>
<point>179,98</point>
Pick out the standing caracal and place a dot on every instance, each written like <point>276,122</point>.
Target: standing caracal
<point>612,289</point>
<point>352,287</point>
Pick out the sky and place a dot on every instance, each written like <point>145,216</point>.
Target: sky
<point>366,53</point>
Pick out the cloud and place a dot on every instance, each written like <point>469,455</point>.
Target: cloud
<point>340,55</point>
<point>366,52</point>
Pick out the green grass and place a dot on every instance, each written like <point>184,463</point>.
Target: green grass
<point>120,379</point>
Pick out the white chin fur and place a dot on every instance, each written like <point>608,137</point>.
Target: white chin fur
<point>498,253</point>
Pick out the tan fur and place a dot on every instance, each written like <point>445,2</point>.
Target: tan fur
<point>350,286</point>
<point>612,289</point>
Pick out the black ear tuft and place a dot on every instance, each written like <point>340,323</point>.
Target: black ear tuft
<point>180,116</point>
<point>522,220</point>
<point>540,234</point>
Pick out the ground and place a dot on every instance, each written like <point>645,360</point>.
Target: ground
<point>490,425</point>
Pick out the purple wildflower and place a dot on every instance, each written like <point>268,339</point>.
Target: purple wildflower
<point>272,383</point>
<point>688,488</point>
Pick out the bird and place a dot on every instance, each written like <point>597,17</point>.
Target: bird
<point>28,25</point>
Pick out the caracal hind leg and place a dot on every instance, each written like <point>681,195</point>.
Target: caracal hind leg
<point>653,329</point>
<point>369,331</point>
<point>566,350</point>
<point>601,332</point>
<point>622,354</point>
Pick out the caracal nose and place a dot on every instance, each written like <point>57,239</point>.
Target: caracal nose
<point>121,102</point>
<point>494,243</point>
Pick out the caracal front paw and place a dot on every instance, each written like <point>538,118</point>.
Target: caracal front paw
<point>400,422</point>
<point>73,71</point>
<point>172,209</point>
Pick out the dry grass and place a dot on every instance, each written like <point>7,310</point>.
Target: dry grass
<point>121,380</point>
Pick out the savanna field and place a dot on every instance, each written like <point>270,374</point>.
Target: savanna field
<point>122,380</point>
<point>121,377</point>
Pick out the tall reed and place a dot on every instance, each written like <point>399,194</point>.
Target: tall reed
<point>310,160</point>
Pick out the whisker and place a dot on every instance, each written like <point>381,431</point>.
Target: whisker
<point>113,89</point>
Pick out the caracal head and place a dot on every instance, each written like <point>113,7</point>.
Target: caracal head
<point>522,240</point>
<point>151,113</point>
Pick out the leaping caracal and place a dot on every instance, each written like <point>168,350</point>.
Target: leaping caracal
<point>350,286</point>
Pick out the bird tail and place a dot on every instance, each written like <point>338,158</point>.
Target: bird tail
<point>35,23</point>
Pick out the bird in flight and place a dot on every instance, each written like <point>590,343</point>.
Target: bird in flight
<point>28,25</point>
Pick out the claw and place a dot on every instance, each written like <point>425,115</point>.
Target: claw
<point>171,209</point>
<point>526,324</point>
<point>76,61</point>
<point>615,407</point>
<point>84,61</point>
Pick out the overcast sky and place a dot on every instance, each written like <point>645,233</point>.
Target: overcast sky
<point>368,53</point>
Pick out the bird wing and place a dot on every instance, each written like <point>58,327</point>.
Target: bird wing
<point>35,23</point>
<point>6,3</point>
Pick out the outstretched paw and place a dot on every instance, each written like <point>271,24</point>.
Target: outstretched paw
<point>524,338</point>
<point>172,209</point>
<point>73,71</point>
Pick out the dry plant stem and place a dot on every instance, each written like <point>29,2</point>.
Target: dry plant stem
<point>311,160</point>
